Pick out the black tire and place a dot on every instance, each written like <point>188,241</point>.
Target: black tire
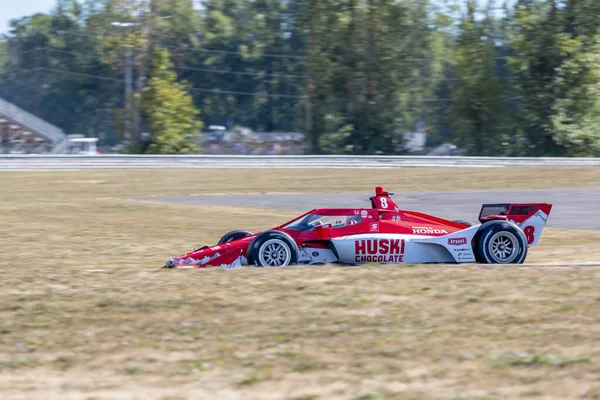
<point>460,221</point>
<point>500,242</point>
<point>234,235</point>
<point>284,251</point>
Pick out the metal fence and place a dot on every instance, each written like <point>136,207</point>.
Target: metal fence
<point>71,162</point>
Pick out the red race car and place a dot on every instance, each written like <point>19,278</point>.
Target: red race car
<point>380,234</point>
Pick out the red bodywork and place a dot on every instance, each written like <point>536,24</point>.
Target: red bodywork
<point>383,233</point>
<point>383,217</point>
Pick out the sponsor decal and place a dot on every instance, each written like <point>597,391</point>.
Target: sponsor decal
<point>395,218</point>
<point>315,254</point>
<point>364,213</point>
<point>356,212</point>
<point>374,227</point>
<point>465,256</point>
<point>461,249</point>
<point>379,250</point>
<point>424,230</point>
<point>457,241</point>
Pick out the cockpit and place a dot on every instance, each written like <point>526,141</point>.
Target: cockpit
<point>311,221</point>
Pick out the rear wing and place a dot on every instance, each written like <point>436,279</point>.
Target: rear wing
<point>531,217</point>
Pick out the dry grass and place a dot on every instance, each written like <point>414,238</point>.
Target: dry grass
<point>566,246</point>
<point>77,300</point>
<point>139,183</point>
<point>383,332</point>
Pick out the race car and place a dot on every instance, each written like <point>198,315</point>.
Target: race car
<point>382,233</point>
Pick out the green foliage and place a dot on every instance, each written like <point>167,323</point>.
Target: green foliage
<point>3,56</point>
<point>337,142</point>
<point>479,112</point>
<point>169,109</point>
<point>354,75</point>
<point>553,63</point>
<point>132,370</point>
<point>302,366</point>
<point>576,115</point>
<point>370,65</point>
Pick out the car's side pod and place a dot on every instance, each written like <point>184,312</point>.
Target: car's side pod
<point>530,217</point>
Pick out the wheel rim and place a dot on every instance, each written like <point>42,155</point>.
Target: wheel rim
<point>503,247</point>
<point>275,253</point>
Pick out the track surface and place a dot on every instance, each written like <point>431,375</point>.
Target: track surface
<point>573,208</point>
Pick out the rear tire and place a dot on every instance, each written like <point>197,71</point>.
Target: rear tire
<point>234,235</point>
<point>460,221</point>
<point>273,249</point>
<point>500,242</point>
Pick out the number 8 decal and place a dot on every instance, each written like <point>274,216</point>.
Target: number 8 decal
<point>384,203</point>
<point>529,232</point>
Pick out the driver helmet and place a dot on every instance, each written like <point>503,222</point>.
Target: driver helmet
<point>380,192</point>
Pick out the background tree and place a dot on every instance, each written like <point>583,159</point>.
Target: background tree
<point>576,114</point>
<point>169,110</point>
<point>480,114</point>
<point>354,75</point>
<point>552,62</point>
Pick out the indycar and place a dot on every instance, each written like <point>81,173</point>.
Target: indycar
<point>382,233</point>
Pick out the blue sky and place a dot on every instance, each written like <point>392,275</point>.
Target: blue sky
<point>11,9</point>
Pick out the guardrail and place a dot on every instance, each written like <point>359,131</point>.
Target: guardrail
<point>111,161</point>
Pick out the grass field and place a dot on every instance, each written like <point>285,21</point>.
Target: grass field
<point>84,316</point>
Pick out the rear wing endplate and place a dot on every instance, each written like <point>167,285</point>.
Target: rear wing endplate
<point>531,217</point>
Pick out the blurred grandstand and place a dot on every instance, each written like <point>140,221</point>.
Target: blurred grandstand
<point>22,132</point>
<point>219,140</point>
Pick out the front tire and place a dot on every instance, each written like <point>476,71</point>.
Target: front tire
<point>234,235</point>
<point>273,249</point>
<point>500,242</point>
<point>460,221</point>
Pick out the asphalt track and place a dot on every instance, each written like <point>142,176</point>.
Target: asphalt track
<point>572,208</point>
